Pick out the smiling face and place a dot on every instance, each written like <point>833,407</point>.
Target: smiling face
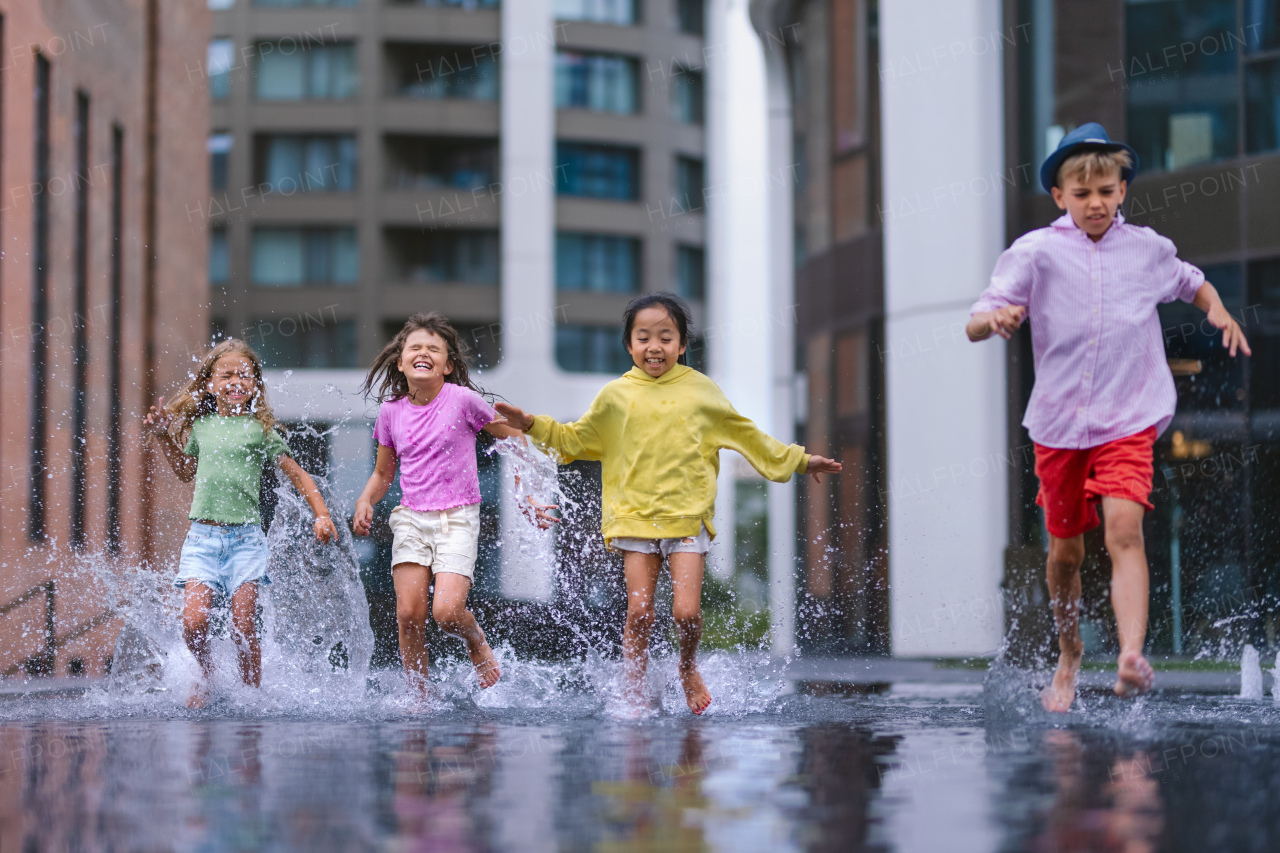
<point>234,384</point>
<point>1092,203</point>
<point>655,344</point>
<point>424,361</point>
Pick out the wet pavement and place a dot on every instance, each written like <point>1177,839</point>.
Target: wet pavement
<point>782,765</point>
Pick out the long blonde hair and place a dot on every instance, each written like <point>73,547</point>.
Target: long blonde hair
<point>196,399</point>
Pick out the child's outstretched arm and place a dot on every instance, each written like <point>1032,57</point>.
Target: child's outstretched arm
<point>773,459</point>
<point>1208,301</point>
<point>157,422</point>
<point>1003,321</point>
<point>535,511</point>
<point>578,440</point>
<point>325,531</point>
<point>384,472</point>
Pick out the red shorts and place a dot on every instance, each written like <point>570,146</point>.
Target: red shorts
<point>1073,481</point>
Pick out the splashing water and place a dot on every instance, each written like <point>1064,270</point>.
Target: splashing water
<point>1250,674</point>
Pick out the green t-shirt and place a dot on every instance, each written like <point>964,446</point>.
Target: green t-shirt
<point>232,451</point>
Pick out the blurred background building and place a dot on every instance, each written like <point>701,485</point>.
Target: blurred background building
<point>101,306</point>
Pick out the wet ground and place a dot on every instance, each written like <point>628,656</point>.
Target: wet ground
<point>546,766</point>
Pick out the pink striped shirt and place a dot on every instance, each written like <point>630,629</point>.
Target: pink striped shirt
<point>1101,371</point>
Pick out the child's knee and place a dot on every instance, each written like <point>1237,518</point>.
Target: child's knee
<point>639,614</point>
<point>1066,555</point>
<point>689,616</point>
<point>411,614</point>
<point>1124,536</point>
<point>448,615</point>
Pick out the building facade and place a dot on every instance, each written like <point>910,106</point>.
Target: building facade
<point>102,306</point>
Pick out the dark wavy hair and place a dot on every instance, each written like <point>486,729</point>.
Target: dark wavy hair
<point>385,371</point>
<point>677,309</point>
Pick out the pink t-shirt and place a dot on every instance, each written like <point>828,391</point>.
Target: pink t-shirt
<point>436,446</point>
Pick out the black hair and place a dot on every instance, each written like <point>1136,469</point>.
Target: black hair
<point>677,309</point>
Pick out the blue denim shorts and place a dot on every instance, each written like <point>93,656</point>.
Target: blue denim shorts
<point>223,558</point>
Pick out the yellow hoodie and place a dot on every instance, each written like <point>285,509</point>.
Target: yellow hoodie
<point>659,441</point>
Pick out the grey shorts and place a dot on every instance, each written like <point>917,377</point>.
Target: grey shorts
<point>699,544</point>
<point>443,540</point>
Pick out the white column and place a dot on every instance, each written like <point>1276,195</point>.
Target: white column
<point>943,214</point>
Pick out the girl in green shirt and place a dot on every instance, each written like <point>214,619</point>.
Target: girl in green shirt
<point>219,431</point>
<point>658,432</point>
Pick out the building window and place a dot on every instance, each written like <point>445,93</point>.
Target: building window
<point>691,272</point>
<point>443,71</point>
<point>597,171</point>
<point>621,12</point>
<point>599,263</point>
<point>291,163</point>
<point>220,60</point>
<point>309,342</point>
<point>419,162</point>
<point>301,3</point>
<point>1264,333</point>
<point>1206,376</point>
<point>219,151</point>
<point>288,71</point>
<point>689,17</point>
<point>465,5</point>
<point>687,97</point>
<point>218,5</point>
<point>446,256</point>
<point>80,351</point>
<point>115,376</point>
<point>591,349</point>
<point>1262,106</point>
<point>596,81</point>
<point>40,301</point>
<point>292,257</point>
<point>219,257</point>
<point>691,184</point>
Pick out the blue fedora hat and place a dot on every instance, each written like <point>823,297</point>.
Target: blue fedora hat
<point>1084,137</point>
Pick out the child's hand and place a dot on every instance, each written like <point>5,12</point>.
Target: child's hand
<point>363,519</point>
<point>514,416</point>
<point>325,530</point>
<point>1232,334</point>
<point>822,465</point>
<point>158,421</point>
<point>1003,322</point>
<point>539,513</point>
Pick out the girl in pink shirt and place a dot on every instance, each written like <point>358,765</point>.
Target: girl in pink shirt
<point>430,414</point>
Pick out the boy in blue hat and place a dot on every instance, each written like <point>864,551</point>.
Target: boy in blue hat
<point>1090,284</point>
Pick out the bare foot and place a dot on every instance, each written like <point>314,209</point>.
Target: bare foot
<point>1059,695</point>
<point>482,658</point>
<point>1136,675</point>
<point>199,696</point>
<point>696,694</point>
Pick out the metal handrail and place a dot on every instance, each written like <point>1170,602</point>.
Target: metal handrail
<point>43,662</point>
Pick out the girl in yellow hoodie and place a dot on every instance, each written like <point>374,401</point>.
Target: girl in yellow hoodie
<point>658,431</point>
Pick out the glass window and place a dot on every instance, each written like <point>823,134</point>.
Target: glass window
<point>597,11</point>
<point>596,81</point>
<point>420,162</point>
<point>1261,25</point>
<point>463,256</point>
<point>1263,332</point>
<point>289,163</point>
<point>597,171</point>
<point>290,342</point>
<point>1262,106</point>
<point>1206,376</point>
<point>691,272</point>
<point>289,71</point>
<point>691,183</point>
<point>219,258</point>
<point>220,60</point>
<point>444,71</point>
<point>300,3</point>
<point>591,349</point>
<point>466,5</point>
<point>600,263</point>
<point>291,257</point>
<point>689,16</point>
<point>687,100</point>
<point>219,147</point>
<point>221,4</point>
<point>1182,105</point>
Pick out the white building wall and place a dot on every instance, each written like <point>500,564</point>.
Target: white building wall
<point>943,203</point>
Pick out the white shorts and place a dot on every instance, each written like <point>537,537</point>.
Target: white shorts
<point>443,540</point>
<point>699,544</point>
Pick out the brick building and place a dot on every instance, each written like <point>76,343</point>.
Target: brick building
<point>102,283</point>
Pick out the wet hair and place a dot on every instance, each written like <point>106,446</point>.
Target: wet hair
<point>390,381</point>
<point>196,400</point>
<point>675,307</point>
<point>1082,166</point>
